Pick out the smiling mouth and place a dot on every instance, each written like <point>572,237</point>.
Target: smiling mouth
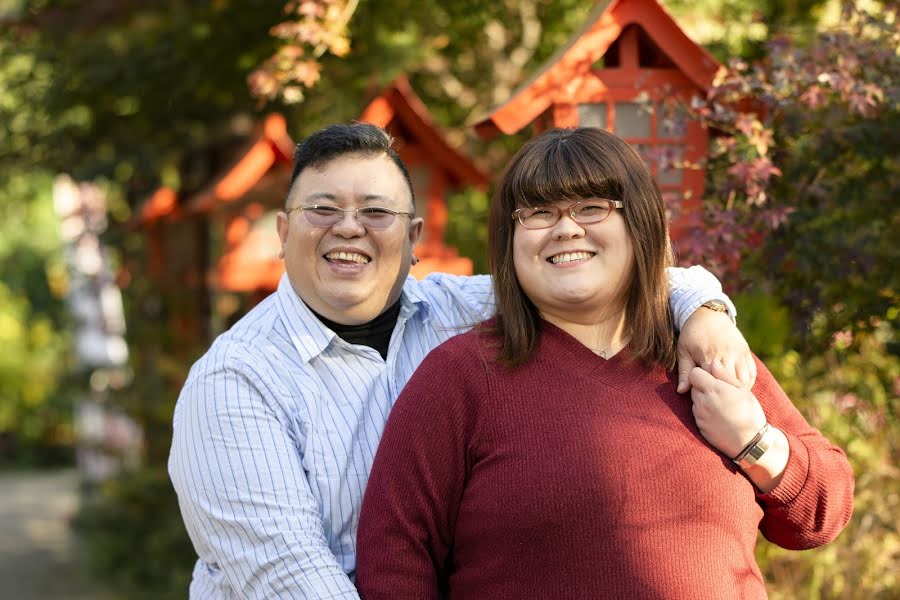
<point>347,258</point>
<point>567,257</point>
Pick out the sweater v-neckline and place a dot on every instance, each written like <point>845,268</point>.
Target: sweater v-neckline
<point>575,356</point>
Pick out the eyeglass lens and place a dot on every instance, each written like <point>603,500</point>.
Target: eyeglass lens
<point>541,217</point>
<point>372,217</point>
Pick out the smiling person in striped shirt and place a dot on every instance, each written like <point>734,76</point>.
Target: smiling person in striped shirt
<point>277,425</point>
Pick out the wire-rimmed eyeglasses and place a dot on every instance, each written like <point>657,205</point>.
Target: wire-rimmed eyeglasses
<point>370,217</point>
<point>583,212</point>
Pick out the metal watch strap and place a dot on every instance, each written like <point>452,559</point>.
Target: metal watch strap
<point>760,444</point>
<point>716,306</point>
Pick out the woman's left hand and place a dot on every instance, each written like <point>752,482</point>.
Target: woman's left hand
<point>710,336</point>
<point>727,414</point>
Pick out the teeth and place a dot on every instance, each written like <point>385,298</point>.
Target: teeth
<point>569,257</point>
<point>349,256</point>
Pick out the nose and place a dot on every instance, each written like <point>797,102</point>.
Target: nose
<point>348,226</point>
<point>566,228</point>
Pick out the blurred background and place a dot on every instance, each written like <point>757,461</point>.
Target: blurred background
<point>144,146</point>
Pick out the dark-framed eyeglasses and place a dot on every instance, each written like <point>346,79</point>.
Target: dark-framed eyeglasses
<point>370,217</point>
<point>583,212</point>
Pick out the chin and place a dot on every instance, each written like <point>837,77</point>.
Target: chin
<point>577,296</point>
<point>349,302</point>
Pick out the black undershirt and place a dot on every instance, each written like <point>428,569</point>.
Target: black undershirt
<point>375,334</point>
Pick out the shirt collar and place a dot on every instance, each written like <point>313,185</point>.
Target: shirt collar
<point>311,337</point>
<point>308,334</point>
<point>414,300</point>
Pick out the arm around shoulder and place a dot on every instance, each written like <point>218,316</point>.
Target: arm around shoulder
<point>705,317</point>
<point>689,288</point>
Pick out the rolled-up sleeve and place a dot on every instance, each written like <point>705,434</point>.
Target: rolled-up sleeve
<point>689,288</point>
<point>248,507</point>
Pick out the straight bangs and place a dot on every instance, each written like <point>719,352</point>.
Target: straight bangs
<point>559,170</point>
<point>567,165</point>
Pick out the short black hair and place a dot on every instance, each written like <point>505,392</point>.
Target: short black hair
<point>346,138</point>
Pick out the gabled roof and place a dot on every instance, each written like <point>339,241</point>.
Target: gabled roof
<point>399,105</point>
<point>604,25</point>
<point>273,146</point>
<point>250,261</point>
<point>162,203</point>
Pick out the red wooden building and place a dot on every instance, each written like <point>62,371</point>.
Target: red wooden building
<point>435,167</point>
<point>222,239</point>
<point>625,71</point>
<point>241,207</point>
<point>257,178</point>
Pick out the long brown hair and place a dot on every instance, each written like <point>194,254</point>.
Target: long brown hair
<point>573,164</point>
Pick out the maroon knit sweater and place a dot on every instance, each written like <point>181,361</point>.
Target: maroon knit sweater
<point>577,477</point>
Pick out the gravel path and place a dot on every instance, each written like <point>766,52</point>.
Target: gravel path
<point>39,557</point>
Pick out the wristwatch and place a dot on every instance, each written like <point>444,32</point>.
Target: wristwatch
<point>758,446</point>
<point>716,306</point>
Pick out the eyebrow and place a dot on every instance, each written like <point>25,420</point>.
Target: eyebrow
<point>327,196</point>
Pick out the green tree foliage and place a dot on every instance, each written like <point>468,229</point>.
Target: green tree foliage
<point>849,392</point>
<point>801,187</point>
<point>121,93</point>
<point>801,193</point>
<point>730,28</point>
<point>125,92</point>
<point>467,226</point>
<point>35,402</point>
<point>137,539</point>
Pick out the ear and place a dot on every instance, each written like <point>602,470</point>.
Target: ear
<point>415,230</point>
<point>282,220</point>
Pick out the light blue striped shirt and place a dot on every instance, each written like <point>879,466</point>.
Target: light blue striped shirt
<point>277,425</point>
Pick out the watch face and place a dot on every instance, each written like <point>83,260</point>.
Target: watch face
<point>716,305</point>
<point>756,453</point>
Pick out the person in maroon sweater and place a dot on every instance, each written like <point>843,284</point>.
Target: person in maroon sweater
<point>547,454</point>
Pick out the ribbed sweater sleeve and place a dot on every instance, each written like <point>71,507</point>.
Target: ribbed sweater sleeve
<point>814,500</point>
<point>417,480</point>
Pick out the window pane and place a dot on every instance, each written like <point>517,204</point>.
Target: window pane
<point>671,121</point>
<point>646,152</point>
<point>672,201</point>
<point>592,114</point>
<point>669,159</point>
<point>632,120</point>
